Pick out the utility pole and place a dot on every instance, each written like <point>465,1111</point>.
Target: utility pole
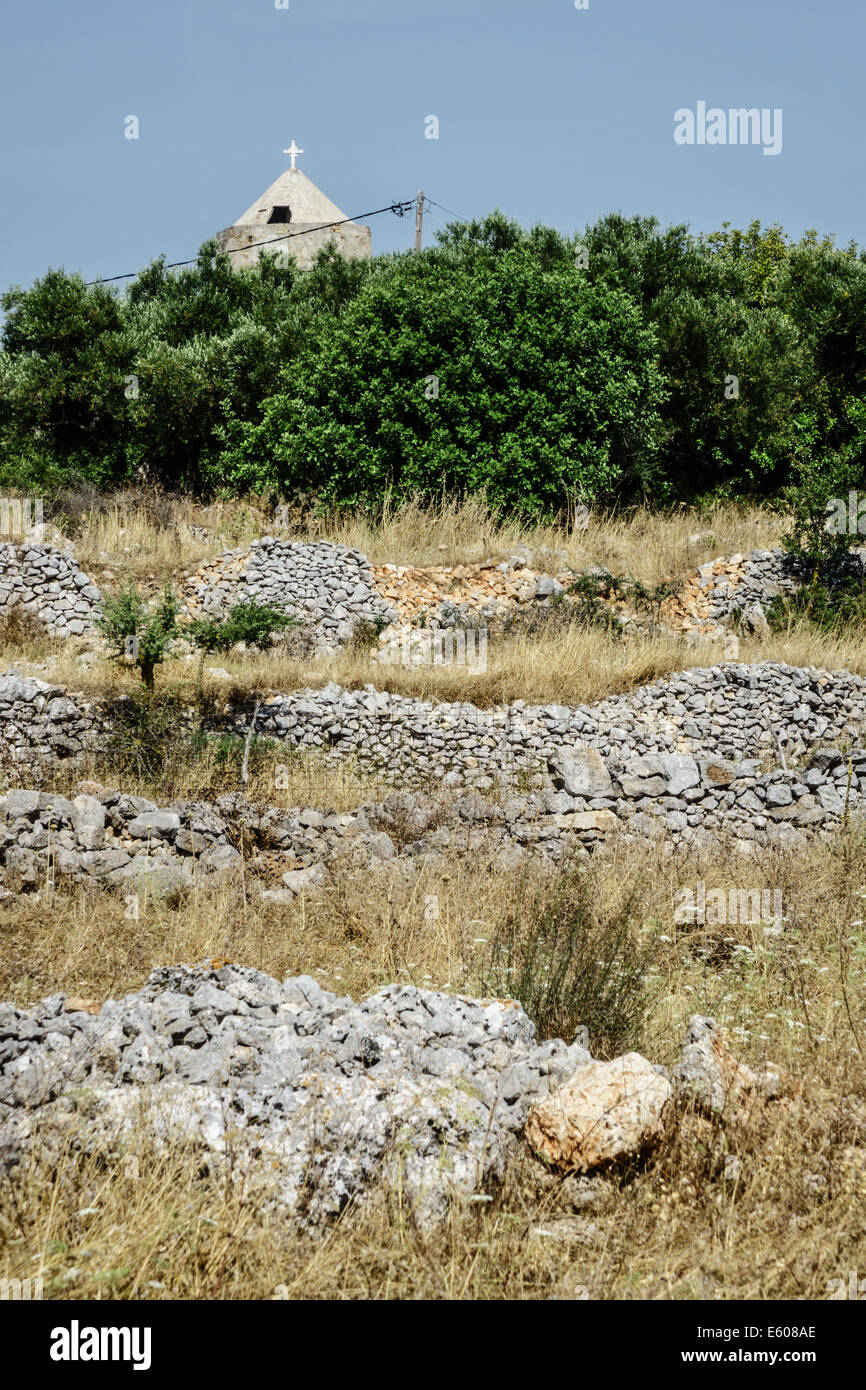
<point>419,219</point>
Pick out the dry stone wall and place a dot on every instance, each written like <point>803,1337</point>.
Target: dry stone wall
<point>47,584</point>
<point>332,588</point>
<point>130,844</point>
<point>762,753</point>
<point>41,725</point>
<point>731,711</point>
<point>328,586</point>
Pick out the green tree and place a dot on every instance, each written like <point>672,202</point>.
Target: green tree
<point>480,364</point>
<point>62,376</point>
<point>254,624</point>
<point>139,631</point>
<point>820,478</point>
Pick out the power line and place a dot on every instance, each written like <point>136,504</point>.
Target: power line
<point>448,210</point>
<point>399,210</point>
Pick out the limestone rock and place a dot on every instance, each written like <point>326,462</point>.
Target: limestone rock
<point>709,1074</point>
<point>607,1112</point>
<point>308,881</point>
<point>601,821</point>
<point>154,825</point>
<point>581,771</point>
<point>88,819</point>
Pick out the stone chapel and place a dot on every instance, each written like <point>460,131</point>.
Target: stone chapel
<point>293,204</point>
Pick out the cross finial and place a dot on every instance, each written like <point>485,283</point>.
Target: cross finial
<point>293,151</point>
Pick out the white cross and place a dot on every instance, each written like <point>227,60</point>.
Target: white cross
<point>294,152</point>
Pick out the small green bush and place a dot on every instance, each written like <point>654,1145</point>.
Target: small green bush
<point>829,607</point>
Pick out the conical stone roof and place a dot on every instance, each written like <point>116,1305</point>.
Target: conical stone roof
<point>307,203</point>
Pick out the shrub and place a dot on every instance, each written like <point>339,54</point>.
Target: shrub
<point>147,736</point>
<point>570,962</point>
<point>251,623</point>
<point>830,607</point>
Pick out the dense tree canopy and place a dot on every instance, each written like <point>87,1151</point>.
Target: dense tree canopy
<point>627,362</point>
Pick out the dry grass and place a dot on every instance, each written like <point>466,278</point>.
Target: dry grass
<point>150,536</point>
<point>153,537</point>
<point>647,545</point>
<point>180,767</point>
<point>568,665</point>
<point>787,1218</point>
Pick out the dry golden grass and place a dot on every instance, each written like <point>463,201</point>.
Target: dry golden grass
<point>647,545</point>
<point>570,666</point>
<point>150,536</point>
<point>788,1217</point>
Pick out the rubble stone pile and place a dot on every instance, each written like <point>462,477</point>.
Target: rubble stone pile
<point>329,587</point>
<point>324,1097</point>
<point>724,592</point>
<point>316,1099</point>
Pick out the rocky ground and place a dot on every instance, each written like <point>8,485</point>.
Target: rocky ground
<point>319,1101</point>
<point>324,1097</point>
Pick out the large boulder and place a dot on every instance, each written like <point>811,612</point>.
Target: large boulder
<point>660,774</point>
<point>581,772</point>
<point>606,1112</point>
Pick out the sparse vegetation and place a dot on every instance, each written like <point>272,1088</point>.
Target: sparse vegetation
<point>777,1223</point>
<point>571,963</point>
<point>140,633</point>
<point>772,1213</point>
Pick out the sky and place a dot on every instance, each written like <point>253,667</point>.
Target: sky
<point>554,114</point>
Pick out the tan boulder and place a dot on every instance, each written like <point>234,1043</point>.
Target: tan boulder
<point>75,1005</point>
<point>718,773</point>
<point>606,1112</point>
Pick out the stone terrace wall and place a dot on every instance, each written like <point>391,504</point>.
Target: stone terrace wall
<point>47,583</point>
<point>676,761</point>
<point>328,586</point>
<point>721,590</point>
<point>41,725</point>
<point>767,710</point>
<point>731,711</point>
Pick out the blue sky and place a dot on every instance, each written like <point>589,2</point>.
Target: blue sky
<point>553,114</point>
